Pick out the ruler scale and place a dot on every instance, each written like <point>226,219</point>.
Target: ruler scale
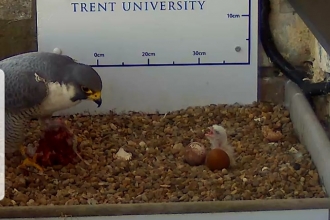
<point>198,54</point>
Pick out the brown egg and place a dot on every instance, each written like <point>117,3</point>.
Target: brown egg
<point>217,159</point>
<point>194,154</point>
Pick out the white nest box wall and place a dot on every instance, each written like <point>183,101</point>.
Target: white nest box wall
<point>157,55</point>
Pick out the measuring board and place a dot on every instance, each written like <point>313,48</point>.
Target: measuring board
<point>157,55</point>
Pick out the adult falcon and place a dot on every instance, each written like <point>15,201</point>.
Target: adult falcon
<point>37,84</point>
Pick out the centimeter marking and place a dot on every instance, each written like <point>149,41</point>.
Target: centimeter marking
<point>198,63</point>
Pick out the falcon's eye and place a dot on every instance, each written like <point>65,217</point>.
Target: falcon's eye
<point>85,89</point>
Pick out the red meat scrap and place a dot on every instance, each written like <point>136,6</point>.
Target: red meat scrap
<point>56,146</point>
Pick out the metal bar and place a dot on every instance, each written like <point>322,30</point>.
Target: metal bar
<point>315,13</point>
<point>309,131</point>
<point>162,208</point>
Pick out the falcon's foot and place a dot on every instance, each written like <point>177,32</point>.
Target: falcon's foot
<point>29,162</point>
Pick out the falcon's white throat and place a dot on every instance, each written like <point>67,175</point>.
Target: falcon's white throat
<point>59,98</point>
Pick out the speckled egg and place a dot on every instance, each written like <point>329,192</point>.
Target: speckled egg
<point>195,154</point>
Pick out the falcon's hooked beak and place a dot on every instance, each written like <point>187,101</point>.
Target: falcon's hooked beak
<point>96,97</point>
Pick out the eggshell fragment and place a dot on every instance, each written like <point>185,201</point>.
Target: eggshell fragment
<point>123,155</point>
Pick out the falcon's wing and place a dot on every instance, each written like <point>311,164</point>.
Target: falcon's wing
<point>23,90</point>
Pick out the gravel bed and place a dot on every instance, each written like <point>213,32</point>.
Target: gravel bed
<point>157,173</point>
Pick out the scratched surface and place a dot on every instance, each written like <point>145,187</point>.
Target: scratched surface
<point>158,55</point>
<point>15,10</point>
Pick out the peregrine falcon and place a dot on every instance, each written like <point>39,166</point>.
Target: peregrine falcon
<point>37,84</point>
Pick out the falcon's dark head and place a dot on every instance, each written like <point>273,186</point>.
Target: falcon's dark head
<point>87,82</point>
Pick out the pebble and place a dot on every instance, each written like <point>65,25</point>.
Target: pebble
<point>157,172</point>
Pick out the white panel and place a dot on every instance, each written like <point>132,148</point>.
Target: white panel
<point>158,55</point>
<point>2,134</point>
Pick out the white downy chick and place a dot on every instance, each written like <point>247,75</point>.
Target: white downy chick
<point>217,136</point>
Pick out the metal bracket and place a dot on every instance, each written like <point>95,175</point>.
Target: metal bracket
<point>315,13</point>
